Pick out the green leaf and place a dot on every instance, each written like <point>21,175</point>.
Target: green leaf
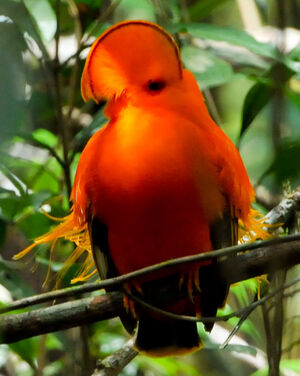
<point>204,8</point>
<point>135,10</point>
<point>55,266</point>
<point>295,53</point>
<point>230,35</point>
<point>10,206</point>
<point>17,183</point>
<point>241,291</point>
<point>44,16</point>
<point>167,366</point>
<point>34,225</point>
<point>291,365</point>
<point>92,3</point>
<point>10,279</point>
<point>27,350</point>
<point>12,78</point>
<point>36,200</point>
<point>261,93</point>
<point>44,137</point>
<point>243,349</point>
<point>208,69</point>
<point>249,328</point>
<point>99,120</point>
<point>4,355</point>
<point>293,96</point>
<point>257,97</point>
<point>96,28</point>
<point>286,162</point>
<point>261,372</point>
<point>53,342</point>
<point>20,15</point>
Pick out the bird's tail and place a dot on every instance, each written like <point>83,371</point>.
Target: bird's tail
<point>163,337</point>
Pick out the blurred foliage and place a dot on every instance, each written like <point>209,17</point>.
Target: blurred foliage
<point>251,80</point>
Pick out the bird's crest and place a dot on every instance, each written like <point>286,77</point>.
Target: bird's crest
<point>128,55</point>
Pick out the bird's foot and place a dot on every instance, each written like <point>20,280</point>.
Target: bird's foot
<point>193,287</point>
<point>127,301</point>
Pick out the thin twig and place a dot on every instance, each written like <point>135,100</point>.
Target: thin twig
<point>237,327</point>
<point>251,265</point>
<point>114,283</point>
<point>88,310</point>
<point>239,313</point>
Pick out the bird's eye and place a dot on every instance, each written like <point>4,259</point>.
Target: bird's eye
<point>155,86</point>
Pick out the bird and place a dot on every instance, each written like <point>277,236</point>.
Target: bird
<point>159,181</point>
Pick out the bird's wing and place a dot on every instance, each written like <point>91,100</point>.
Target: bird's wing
<point>223,233</point>
<point>104,263</point>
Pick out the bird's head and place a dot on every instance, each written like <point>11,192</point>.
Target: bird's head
<point>131,57</point>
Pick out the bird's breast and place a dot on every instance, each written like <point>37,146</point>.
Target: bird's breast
<point>155,188</point>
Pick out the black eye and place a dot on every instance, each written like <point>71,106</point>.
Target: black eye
<point>156,85</point>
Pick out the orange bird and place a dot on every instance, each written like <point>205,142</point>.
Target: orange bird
<point>161,180</point>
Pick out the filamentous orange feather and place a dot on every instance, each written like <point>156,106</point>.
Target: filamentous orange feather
<point>161,180</point>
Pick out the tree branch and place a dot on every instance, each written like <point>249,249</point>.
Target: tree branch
<point>113,364</point>
<point>262,263</point>
<point>61,316</point>
<point>265,257</point>
<point>262,260</point>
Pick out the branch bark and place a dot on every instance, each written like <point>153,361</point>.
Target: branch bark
<point>113,364</point>
<point>61,316</point>
<point>117,282</point>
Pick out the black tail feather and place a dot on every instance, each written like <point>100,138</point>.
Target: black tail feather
<point>162,337</point>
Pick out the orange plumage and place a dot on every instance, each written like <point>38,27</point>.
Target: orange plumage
<point>160,178</point>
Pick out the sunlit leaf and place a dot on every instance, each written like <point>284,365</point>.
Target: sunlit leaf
<point>20,15</point>
<point>293,96</point>
<point>135,10</point>
<point>14,180</point>
<point>208,69</point>
<point>168,366</point>
<point>44,16</point>
<point>261,372</point>
<point>44,137</point>
<point>243,349</point>
<point>27,350</point>
<point>230,35</point>
<point>53,342</point>
<point>291,365</point>
<point>295,53</point>
<point>4,354</point>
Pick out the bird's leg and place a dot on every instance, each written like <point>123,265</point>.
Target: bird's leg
<point>128,303</point>
<point>193,286</point>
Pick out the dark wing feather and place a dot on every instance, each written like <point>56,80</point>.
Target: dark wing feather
<point>223,233</point>
<point>103,260</point>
